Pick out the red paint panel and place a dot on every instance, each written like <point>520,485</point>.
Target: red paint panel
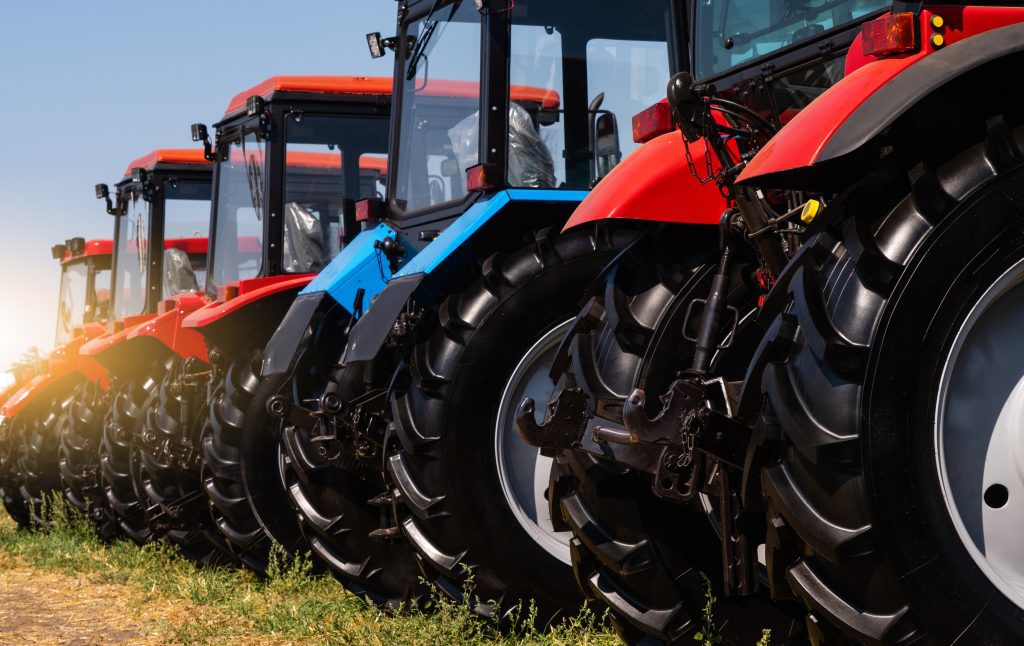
<point>249,291</point>
<point>108,341</point>
<point>167,327</point>
<point>654,183</point>
<point>62,362</point>
<point>169,156</point>
<point>800,142</point>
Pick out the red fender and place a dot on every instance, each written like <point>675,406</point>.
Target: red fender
<point>804,141</point>
<point>248,292</point>
<point>168,329</point>
<point>654,183</point>
<point>63,362</point>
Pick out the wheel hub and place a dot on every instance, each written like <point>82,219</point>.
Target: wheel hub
<point>980,433</point>
<point>522,470</point>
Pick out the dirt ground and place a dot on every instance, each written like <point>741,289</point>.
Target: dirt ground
<point>39,607</point>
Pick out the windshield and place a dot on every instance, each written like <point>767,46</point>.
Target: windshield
<point>319,182</point>
<point>101,291</point>
<point>238,214</point>
<point>437,139</point>
<point>186,227</point>
<point>731,32</point>
<point>579,71</point>
<point>72,306</point>
<point>131,258</point>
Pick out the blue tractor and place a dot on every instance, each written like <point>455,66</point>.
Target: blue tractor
<point>397,372</point>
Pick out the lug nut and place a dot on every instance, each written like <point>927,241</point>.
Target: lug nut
<point>277,406</point>
<point>330,403</point>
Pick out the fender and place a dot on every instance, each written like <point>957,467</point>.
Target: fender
<point>847,116</point>
<point>167,327</point>
<point>359,270</point>
<point>654,184</point>
<point>247,320</point>
<point>110,349</point>
<point>371,329</point>
<point>63,363</point>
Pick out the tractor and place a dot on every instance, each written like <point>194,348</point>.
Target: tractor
<point>34,405</point>
<point>121,463</point>
<point>791,404</point>
<point>438,318</point>
<point>292,156</point>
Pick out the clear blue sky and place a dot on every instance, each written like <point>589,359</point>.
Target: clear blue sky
<point>89,86</point>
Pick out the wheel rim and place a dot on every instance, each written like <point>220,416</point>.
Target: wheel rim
<point>522,470</point>
<point>980,433</point>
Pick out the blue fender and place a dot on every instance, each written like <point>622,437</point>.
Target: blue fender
<point>372,328</point>
<point>359,266</point>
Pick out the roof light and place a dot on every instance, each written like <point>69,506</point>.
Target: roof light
<point>138,175</point>
<point>58,251</point>
<point>254,105</point>
<point>655,120</point>
<point>481,177</point>
<point>370,209</point>
<point>893,33</point>
<point>76,246</point>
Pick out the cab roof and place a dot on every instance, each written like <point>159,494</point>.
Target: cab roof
<point>378,85</point>
<point>92,248</point>
<point>168,156</point>
<point>381,85</point>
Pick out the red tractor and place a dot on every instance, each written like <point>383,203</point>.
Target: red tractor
<point>292,156</point>
<point>31,414</point>
<point>162,203</point>
<point>836,388</point>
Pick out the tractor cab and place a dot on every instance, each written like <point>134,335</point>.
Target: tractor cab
<point>292,156</point>
<point>162,202</point>
<point>84,285</point>
<point>518,95</point>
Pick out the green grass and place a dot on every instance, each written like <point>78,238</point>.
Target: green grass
<point>222,605</point>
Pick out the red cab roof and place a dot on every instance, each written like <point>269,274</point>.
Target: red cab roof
<point>92,248</point>
<point>380,85</point>
<point>168,156</point>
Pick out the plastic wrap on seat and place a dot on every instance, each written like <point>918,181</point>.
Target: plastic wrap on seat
<point>179,278</point>
<point>529,160</point>
<point>303,240</point>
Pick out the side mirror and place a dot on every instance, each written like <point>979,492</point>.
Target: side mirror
<point>200,134</point>
<point>103,193</point>
<point>607,152</point>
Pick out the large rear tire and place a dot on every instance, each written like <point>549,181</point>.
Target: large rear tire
<point>339,496</point>
<point>472,495</point>
<point>80,435</point>
<point>640,555</point>
<point>895,396</point>
<point>242,439</point>
<point>173,488</point>
<point>37,461</point>
<point>127,409</point>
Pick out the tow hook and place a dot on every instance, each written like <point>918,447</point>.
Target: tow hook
<point>565,424</point>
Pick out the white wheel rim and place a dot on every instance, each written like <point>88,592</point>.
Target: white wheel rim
<point>979,431</point>
<point>522,470</point>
